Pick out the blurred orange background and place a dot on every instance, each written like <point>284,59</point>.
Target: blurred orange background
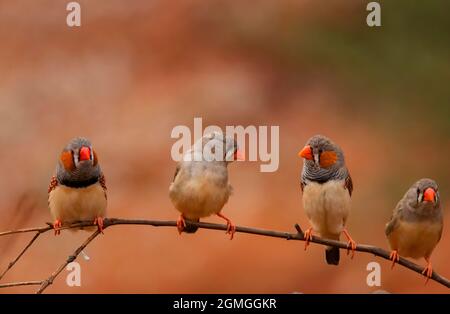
<point>136,69</point>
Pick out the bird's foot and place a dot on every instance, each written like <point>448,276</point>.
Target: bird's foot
<point>99,223</point>
<point>308,234</point>
<point>231,227</point>
<point>394,257</point>
<point>181,224</point>
<point>351,244</point>
<point>57,226</point>
<point>428,271</point>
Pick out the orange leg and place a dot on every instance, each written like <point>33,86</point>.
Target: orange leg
<point>231,227</point>
<point>57,226</point>
<point>428,271</point>
<point>181,224</point>
<point>394,257</point>
<point>307,235</point>
<point>351,245</point>
<point>99,222</point>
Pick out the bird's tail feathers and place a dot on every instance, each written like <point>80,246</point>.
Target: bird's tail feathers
<point>190,228</point>
<point>332,253</point>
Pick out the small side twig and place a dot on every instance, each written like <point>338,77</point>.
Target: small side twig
<point>47,282</point>
<point>38,231</point>
<point>41,230</point>
<point>12,263</point>
<point>20,283</point>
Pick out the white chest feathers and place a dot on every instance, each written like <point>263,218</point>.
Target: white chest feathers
<point>74,204</point>
<point>327,206</point>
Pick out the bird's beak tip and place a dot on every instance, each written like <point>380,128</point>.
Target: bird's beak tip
<point>239,155</point>
<point>306,153</point>
<point>85,153</point>
<point>429,195</point>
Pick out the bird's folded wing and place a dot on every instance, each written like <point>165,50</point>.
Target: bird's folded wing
<point>349,184</point>
<point>102,182</point>
<point>391,225</point>
<point>53,184</point>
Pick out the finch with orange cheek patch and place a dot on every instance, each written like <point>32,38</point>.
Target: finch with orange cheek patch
<point>416,224</point>
<point>200,186</point>
<point>327,188</point>
<point>78,191</point>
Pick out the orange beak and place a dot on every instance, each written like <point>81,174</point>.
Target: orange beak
<point>429,195</point>
<point>85,153</point>
<point>238,155</point>
<point>306,153</point>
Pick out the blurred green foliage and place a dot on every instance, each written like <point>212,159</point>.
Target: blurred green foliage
<point>404,65</point>
<point>407,60</point>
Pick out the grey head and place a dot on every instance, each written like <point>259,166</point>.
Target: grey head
<point>214,147</point>
<point>78,164</point>
<point>422,198</point>
<point>323,160</point>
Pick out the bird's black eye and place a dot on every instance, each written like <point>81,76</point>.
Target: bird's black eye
<point>418,191</point>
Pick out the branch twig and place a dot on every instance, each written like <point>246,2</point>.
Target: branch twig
<point>21,283</point>
<point>41,230</point>
<point>70,259</point>
<point>11,264</point>
<point>38,231</point>
<point>163,223</point>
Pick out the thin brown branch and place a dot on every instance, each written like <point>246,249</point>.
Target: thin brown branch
<point>11,264</point>
<point>380,253</point>
<point>47,228</point>
<point>41,230</point>
<point>21,283</point>
<point>47,282</point>
<point>38,231</point>
<point>261,232</point>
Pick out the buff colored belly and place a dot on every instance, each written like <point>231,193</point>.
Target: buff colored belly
<point>327,207</point>
<point>415,239</point>
<point>199,198</point>
<point>72,204</point>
